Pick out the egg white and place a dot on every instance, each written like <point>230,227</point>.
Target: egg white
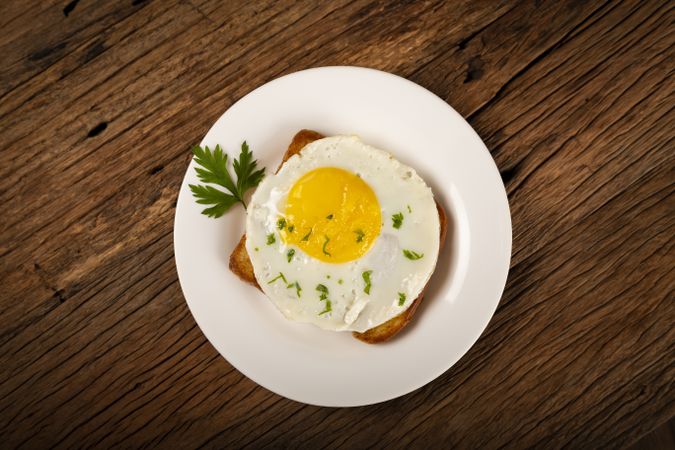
<point>397,187</point>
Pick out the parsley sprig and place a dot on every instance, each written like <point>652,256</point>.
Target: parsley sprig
<point>323,290</point>
<point>366,279</point>
<point>325,243</point>
<point>214,170</point>
<point>280,276</point>
<point>397,220</point>
<point>324,296</point>
<point>412,255</point>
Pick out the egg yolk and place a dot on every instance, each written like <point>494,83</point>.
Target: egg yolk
<point>332,215</point>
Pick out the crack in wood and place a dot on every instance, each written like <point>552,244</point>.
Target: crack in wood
<point>42,54</point>
<point>98,129</point>
<point>94,50</point>
<point>155,170</point>
<point>70,7</point>
<point>475,70</point>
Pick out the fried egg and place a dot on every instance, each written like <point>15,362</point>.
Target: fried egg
<point>344,236</point>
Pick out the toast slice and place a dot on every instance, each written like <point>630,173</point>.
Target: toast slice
<point>240,263</point>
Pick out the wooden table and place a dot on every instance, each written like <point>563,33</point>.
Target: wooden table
<point>100,102</point>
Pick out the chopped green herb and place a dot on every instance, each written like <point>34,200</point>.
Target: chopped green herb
<point>329,217</point>
<point>324,291</point>
<point>297,287</point>
<point>412,255</point>
<point>397,220</point>
<point>290,254</point>
<point>328,276</point>
<point>280,276</point>
<point>340,281</point>
<point>359,235</point>
<point>291,228</point>
<point>366,278</point>
<point>305,238</point>
<point>256,249</point>
<point>271,239</point>
<point>401,298</point>
<point>409,209</point>
<point>325,243</point>
<point>214,170</point>
<point>281,223</point>
<point>327,309</point>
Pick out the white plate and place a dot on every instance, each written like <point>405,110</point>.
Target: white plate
<point>324,368</point>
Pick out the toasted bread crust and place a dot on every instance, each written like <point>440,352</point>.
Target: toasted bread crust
<point>301,138</point>
<point>240,263</point>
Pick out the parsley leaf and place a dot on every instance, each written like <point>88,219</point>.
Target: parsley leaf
<point>244,167</point>
<point>401,298</point>
<point>305,238</point>
<point>271,239</point>
<point>359,235</point>
<point>281,223</point>
<point>290,254</point>
<point>208,195</point>
<point>397,220</point>
<point>214,170</point>
<point>412,255</point>
<point>214,167</point>
<point>366,278</point>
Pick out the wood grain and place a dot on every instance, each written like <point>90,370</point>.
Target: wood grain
<point>100,101</point>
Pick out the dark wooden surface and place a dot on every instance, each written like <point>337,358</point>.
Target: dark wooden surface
<point>100,101</point>
<point>662,438</point>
